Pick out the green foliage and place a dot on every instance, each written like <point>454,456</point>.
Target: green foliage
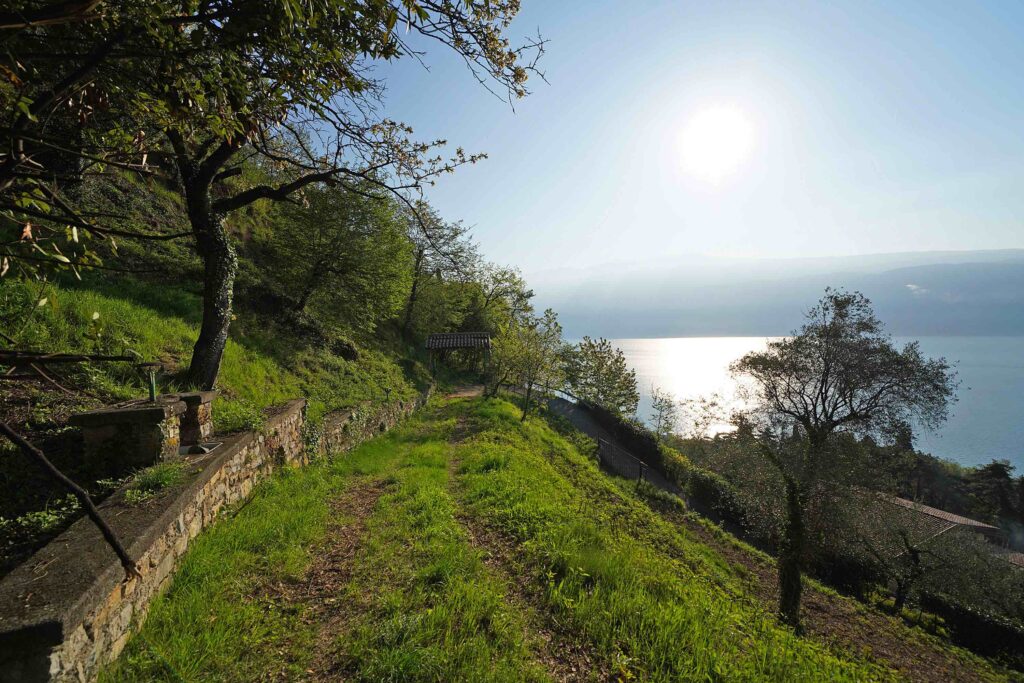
<point>664,413</point>
<point>525,354</point>
<point>153,480</point>
<point>31,526</point>
<point>343,256</point>
<point>597,373</point>
<point>262,367</point>
<point>501,297</point>
<point>445,260</point>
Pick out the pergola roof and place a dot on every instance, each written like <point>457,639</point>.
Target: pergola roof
<point>458,340</point>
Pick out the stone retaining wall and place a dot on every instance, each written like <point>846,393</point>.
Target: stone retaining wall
<point>67,610</point>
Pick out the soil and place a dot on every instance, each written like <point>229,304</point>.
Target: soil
<point>468,391</point>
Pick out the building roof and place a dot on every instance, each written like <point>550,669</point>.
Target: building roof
<point>891,525</point>
<point>459,340</point>
<point>1014,558</point>
<point>942,515</point>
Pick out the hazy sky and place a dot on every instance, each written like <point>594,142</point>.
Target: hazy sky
<point>872,128</point>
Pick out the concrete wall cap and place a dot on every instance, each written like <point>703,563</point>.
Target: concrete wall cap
<point>143,412</point>
<point>194,397</point>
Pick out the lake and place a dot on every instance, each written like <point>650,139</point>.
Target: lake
<point>986,423</point>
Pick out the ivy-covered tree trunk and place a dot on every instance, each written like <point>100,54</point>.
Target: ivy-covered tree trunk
<point>220,264</point>
<point>791,558</point>
<point>526,401</point>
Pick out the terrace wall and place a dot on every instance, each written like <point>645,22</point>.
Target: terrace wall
<point>68,610</point>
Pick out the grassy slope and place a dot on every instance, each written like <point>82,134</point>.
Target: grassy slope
<point>485,529</point>
<point>261,367</point>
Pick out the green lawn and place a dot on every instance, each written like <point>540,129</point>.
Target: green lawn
<point>486,531</point>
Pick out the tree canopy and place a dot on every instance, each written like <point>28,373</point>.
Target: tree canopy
<point>192,93</point>
<point>598,373</point>
<point>838,375</point>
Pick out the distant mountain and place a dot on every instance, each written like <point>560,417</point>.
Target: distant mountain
<point>921,293</point>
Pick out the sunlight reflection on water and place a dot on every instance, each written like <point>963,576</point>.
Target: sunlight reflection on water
<point>986,423</point>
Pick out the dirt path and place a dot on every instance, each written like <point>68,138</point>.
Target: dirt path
<point>566,658</point>
<point>467,391</point>
<point>323,589</point>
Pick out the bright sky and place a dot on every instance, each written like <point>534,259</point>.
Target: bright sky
<point>738,129</point>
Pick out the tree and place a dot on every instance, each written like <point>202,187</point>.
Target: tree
<point>504,361</point>
<point>500,295</point>
<point>213,87</point>
<point>71,113</point>
<point>597,372</point>
<point>664,412</point>
<point>917,557</point>
<point>342,254</point>
<point>442,252</point>
<point>991,488</point>
<point>839,374</point>
<point>540,365</point>
<point>526,354</point>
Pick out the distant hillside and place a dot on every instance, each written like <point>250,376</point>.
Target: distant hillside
<point>926,293</point>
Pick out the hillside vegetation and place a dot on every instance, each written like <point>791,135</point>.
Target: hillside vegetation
<point>263,366</point>
<point>468,545</point>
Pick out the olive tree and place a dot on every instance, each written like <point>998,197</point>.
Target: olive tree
<point>839,374</point>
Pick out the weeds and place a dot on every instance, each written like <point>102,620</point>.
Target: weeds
<point>148,483</point>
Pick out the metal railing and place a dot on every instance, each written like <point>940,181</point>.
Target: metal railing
<point>641,466</point>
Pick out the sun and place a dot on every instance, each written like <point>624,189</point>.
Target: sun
<point>716,142</point>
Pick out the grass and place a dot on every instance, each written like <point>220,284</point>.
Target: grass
<point>589,556</point>
<point>440,618</point>
<point>261,367</point>
<point>151,481</point>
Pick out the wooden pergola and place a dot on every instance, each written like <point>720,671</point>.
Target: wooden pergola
<point>441,344</point>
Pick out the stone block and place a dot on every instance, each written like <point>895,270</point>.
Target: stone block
<point>130,437</point>
<point>197,420</point>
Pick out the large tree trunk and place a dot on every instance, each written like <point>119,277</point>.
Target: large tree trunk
<point>791,558</point>
<point>220,264</point>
